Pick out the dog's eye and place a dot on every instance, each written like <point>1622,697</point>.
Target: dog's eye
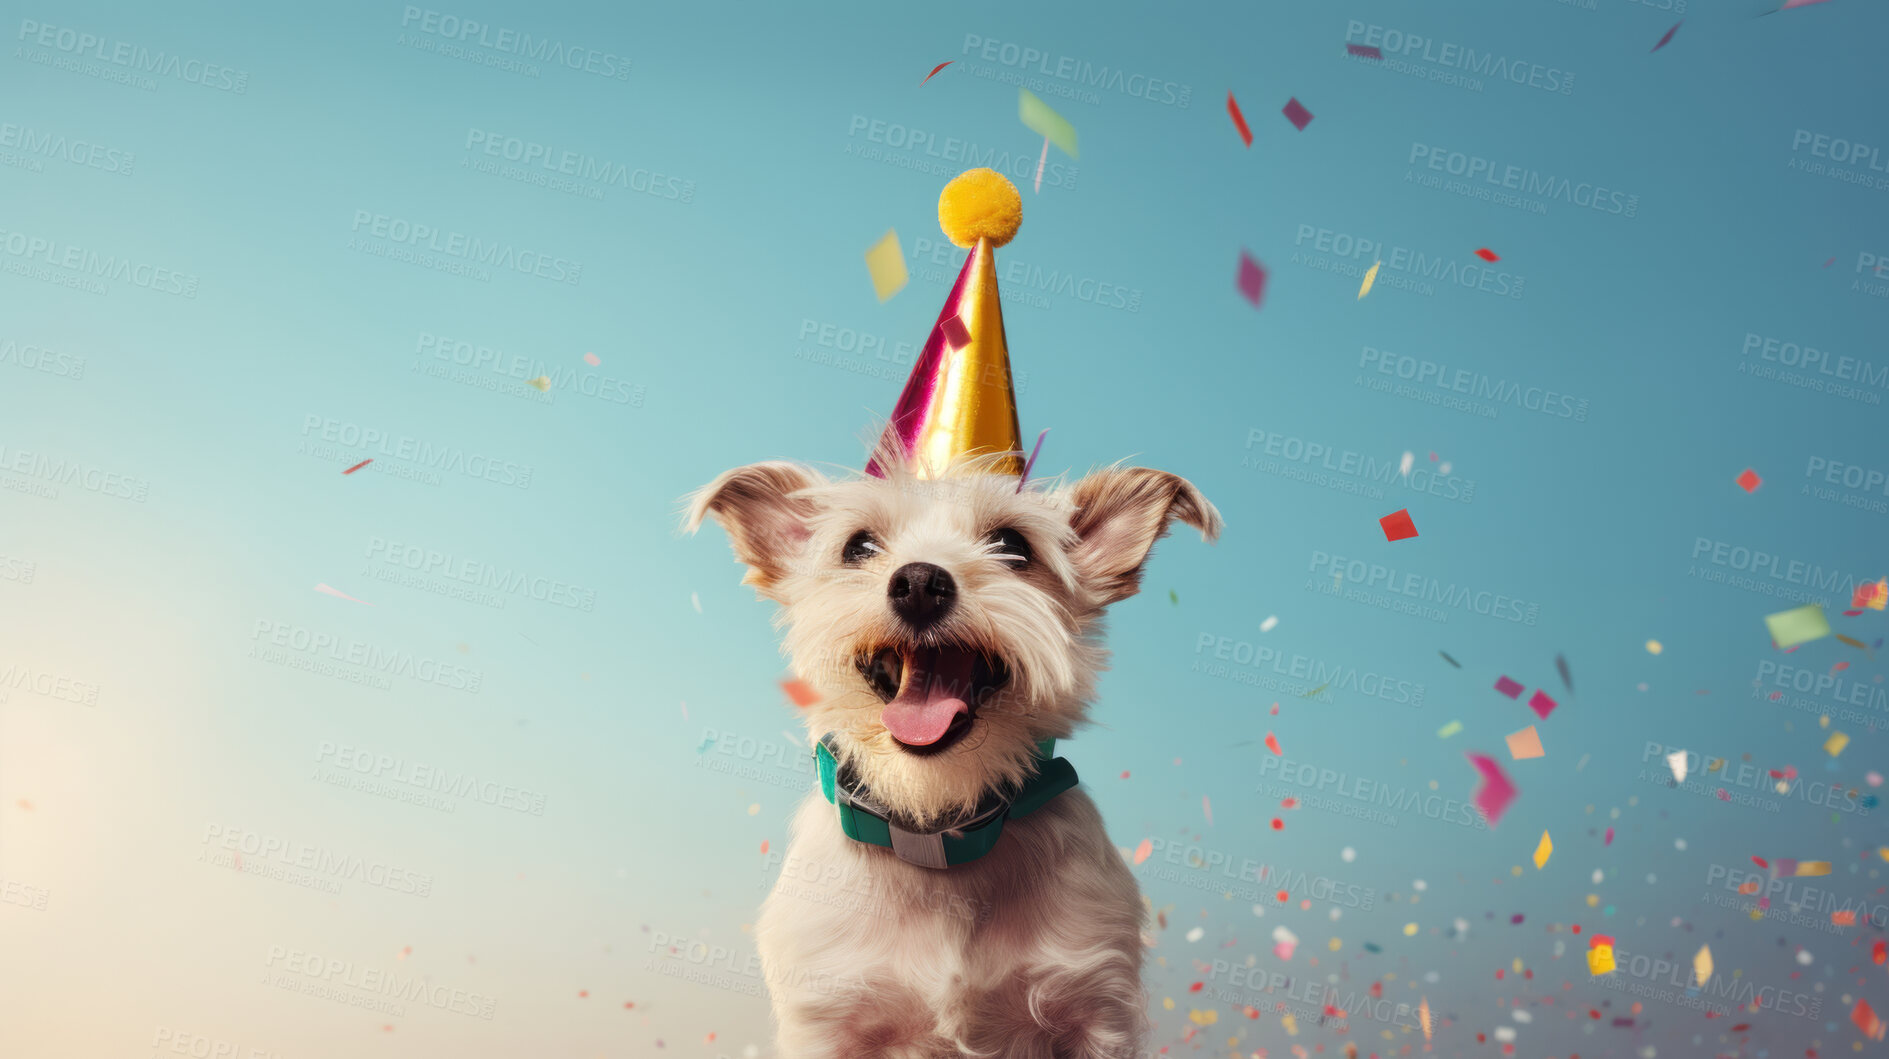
<point>1010,544</point>
<point>860,547</point>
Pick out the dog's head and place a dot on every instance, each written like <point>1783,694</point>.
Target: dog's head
<point>948,624</point>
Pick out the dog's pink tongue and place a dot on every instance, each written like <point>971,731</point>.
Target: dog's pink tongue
<point>930,696</point>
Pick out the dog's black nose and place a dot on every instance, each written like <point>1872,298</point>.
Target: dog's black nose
<point>921,593</point>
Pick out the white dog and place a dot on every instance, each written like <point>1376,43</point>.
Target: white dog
<point>951,625</point>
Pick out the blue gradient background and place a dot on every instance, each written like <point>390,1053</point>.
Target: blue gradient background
<point>700,310</point>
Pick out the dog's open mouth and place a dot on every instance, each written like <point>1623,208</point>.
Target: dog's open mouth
<point>931,694</point>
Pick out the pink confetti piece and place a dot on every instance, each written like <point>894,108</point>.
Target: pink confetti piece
<point>1272,744</point>
<point>1508,687</point>
<point>1032,460</point>
<point>1669,35</point>
<point>337,593</point>
<point>1040,163</point>
<point>1296,113</point>
<point>592,359</point>
<point>1142,851</point>
<point>935,69</point>
<point>1365,51</point>
<point>1496,792</point>
<point>1541,704</point>
<point>358,466</point>
<point>1788,4</point>
<point>1252,279</point>
<point>1206,806</point>
<point>1609,840</point>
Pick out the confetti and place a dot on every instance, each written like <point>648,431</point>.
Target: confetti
<point>1195,935</point>
<point>1451,661</point>
<point>956,334</point>
<point>1041,161</point>
<point>1797,625</point>
<point>1508,687</point>
<point>1835,744</point>
<point>1370,51</point>
<point>338,594</point>
<point>1040,119</point>
<point>1525,744</point>
<point>1397,525</point>
<point>1423,1016</point>
<point>1609,840</point>
<point>801,694</point>
<point>1702,965</point>
<point>1853,642</point>
<point>1142,851</point>
<point>1541,704</point>
<point>1677,762</point>
<point>542,383</point>
<point>1867,1020</point>
<point>358,466</point>
<point>1370,277</point>
<point>592,359</point>
<point>1543,851</point>
<point>1654,647</point>
<point>1600,955</point>
<point>1813,867</point>
<point>1272,744</point>
<point>1206,807</point>
<point>935,69</point>
<point>696,602</point>
<point>1239,120</point>
<point>1174,597</point>
<point>1749,481</point>
<point>1251,279</point>
<point>1449,729</point>
<point>885,262</point>
<point>1488,255</point>
<point>1271,622</point>
<point>1296,113</point>
<point>1669,35</point>
<point>1567,678</point>
<point>1497,792</point>
<point>1404,465</point>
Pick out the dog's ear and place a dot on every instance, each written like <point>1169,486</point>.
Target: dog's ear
<point>766,517</point>
<point>1120,513</point>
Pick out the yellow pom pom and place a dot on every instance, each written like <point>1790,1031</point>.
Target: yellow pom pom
<point>980,204</point>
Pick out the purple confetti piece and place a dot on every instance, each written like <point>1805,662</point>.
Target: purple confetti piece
<point>1365,51</point>
<point>1508,687</point>
<point>1252,279</point>
<point>1669,35</point>
<point>1296,113</point>
<point>1032,461</point>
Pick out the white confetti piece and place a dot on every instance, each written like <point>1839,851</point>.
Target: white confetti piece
<point>1404,467</point>
<point>696,602</point>
<point>1269,624</point>
<point>1196,934</point>
<point>1677,762</point>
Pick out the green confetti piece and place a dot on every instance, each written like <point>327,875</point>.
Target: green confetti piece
<point>1040,119</point>
<point>1449,729</point>
<point>1174,597</point>
<point>1798,625</point>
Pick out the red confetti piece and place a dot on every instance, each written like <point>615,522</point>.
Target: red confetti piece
<point>1397,525</point>
<point>1663,41</point>
<point>1196,987</point>
<point>1296,113</point>
<point>798,691</point>
<point>935,69</point>
<point>583,993</point>
<point>1284,897</point>
<point>1239,120</point>
<point>1749,481</point>
<point>1278,824</point>
<point>1124,773</point>
<point>358,466</point>
<point>1488,255</point>
<point>1251,280</point>
<point>1541,704</point>
<point>1880,954</point>
<point>1289,803</point>
<point>1496,792</point>
<point>1760,862</point>
<point>1365,51</point>
<point>1272,744</point>
<point>764,845</point>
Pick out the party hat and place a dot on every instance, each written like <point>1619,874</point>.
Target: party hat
<point>958,401</point>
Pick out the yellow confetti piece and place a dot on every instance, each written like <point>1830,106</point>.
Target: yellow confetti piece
<point>754,809</point>
<point>1813,867</point>
<point>1449,729</point>
<point>1369,278</point>
<point>1336,944</point>
<point>1543,851</point>
<point>1423,1015</point>
<point>1593,900</point>
<point>1291,1024</point>
<point>1654,647</point>
<point>1881,597</point>
<point>1410,930</point>
<point>1204,1018</point>
<point>1835,744</point>
<point>886,263</point>
<point>1040,119</point>
<point>1600,960</point>
<point>1516,965</point>
<point>1167,1003</point>
<point>542,383</point>
<point>1702,965</point>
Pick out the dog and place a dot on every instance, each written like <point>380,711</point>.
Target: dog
<point>950,622</point>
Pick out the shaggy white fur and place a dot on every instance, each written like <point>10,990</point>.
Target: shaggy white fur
<point>1034,949</point>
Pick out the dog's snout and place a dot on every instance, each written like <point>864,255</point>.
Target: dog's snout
<point>921,593</point>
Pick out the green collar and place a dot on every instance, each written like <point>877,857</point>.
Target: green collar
<point>866,821</point>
